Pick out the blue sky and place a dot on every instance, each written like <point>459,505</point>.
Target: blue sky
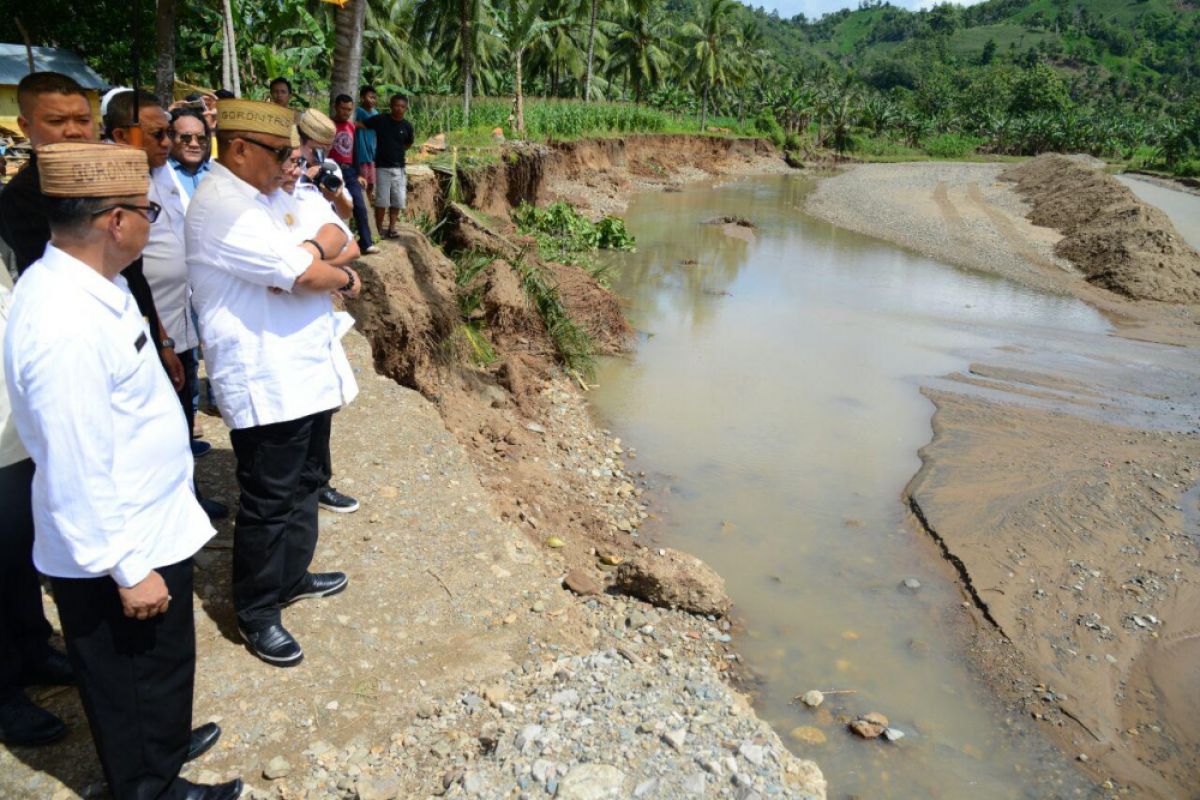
<point>815,8</point>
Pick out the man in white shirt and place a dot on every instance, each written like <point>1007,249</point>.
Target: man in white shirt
<point>115,518</point>
<point>163,261</point>
<point>275,364</point>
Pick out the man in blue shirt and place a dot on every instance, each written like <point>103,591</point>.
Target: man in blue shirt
<point>364,139</point>
<point>189,148</point>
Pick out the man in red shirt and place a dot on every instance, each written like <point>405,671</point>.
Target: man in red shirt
<point>342,153</point>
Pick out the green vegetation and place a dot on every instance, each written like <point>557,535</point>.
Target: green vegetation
<point>566,236</point>
<point>571,343</point>
<point>1116,78</point>
<point>468,338</point>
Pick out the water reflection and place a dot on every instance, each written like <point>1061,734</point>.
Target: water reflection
<point>778,384</point>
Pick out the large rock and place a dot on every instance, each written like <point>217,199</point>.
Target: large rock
<point>592,782</point>
<point>674,580</point>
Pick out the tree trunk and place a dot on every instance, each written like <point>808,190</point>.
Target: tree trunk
<point>164,65</point>
<point>520,96</point>
<point>233,80</point>
<point>466,44</point>
<point>349,21</point>
<point>587,86</point>
<point>704,109</point>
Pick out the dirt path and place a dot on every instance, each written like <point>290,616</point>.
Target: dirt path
<point>453,642</point>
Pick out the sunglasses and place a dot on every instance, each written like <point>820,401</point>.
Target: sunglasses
<point>281,153</point>
<point>149,211</point>
<point>188,138</point>
<point>158,135</point>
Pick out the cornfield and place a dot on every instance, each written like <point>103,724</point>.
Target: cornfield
<point>544,118</point>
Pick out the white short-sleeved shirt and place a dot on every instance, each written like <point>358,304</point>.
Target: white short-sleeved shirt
<point>112,494</point>
<point>271,356</point>
<point>164,260</point>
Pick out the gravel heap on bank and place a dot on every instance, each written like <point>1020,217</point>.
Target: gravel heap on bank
<point>1117,241</point>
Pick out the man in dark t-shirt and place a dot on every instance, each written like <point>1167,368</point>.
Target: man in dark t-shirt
<point>393,136</point>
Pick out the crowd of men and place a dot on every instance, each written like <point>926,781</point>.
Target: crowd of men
<point>215,228</point>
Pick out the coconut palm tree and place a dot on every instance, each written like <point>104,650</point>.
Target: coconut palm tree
<point>640,51</point>
<point>458,30</point>
<point>392,52</point>
<point>349,22</point>
<point>520,26</point>
<point>709,49</point>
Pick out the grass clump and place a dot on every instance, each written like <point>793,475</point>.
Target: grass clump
<point>469,338</point>
<point>571,343</point>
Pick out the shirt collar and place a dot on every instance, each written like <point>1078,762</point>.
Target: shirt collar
<point>222,172</point>
<point>111,293</point>
<point>179,167</point>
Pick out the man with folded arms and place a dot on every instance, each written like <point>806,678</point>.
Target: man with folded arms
<point>274,361</point>
<point>115,518</point>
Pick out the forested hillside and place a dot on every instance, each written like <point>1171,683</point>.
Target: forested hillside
<point>1117,78</point>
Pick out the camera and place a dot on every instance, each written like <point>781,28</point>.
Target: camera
<point>329,177</point>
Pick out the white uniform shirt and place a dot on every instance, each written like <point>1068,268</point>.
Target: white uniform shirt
<point>112,494</point>
<point>11,450</point>
<point>164,260</point>
<point>271,357</point>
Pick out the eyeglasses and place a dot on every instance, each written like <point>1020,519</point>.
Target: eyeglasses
<point>158,135</point>
<point>150,211</point>
<point>188,138</point>
<point>281,153</point>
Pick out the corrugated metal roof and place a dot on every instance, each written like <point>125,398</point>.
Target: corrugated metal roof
<point>14,65</point>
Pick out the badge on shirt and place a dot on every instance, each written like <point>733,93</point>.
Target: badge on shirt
<point>141,342</point>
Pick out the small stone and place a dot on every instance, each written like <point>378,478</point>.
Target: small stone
<point>870,726</point>
<point>539,607</point>
<point>495,695</point>
<point>535,427</point>
<point>592,782</point>
<point>473,783</point>
<point>695,783</point>
<point>386,788</point>
<point>893,734</point>
<point>507,709</point>
<point>808,735</point>
<point>581,583</point>
<point>910,585</point>
<point>542,770</point>
<point>528,735</point>
<point>277,767</point>
<point>675,738</point>
<point>644,788</point>
<point>812,698</point>
<point>752,753</point>
<point>1082,757</point>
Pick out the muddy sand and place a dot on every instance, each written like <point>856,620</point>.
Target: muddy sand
<point>1062,483</point>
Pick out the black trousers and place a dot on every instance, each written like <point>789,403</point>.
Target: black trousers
<point>135,679</point>
<point>188,392</point>
<point>24,631</point>
<point>280,470</point>
<point>362,218</point>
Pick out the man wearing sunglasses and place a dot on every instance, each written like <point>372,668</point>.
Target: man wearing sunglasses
<point>276,366</point>
<point>117,523</point>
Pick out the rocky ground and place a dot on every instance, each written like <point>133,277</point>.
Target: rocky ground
<point>456,664</point>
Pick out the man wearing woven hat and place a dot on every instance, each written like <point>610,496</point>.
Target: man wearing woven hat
<point>117,523</point>
<point>316,135</point>
<point>274,361</point>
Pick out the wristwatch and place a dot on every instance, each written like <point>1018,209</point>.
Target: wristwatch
<point>168,343</point>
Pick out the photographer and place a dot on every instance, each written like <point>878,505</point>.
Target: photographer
<point>316,135</point>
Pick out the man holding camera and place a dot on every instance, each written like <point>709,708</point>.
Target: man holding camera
<point>275,363</point>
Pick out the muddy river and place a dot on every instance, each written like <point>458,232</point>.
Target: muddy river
<point>774,395</point>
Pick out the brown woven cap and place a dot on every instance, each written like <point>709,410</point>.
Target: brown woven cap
<point>252,116</point>
<point>92,169</point>
<point>318,127</point>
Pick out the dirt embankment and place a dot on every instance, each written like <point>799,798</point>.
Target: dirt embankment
<point>1117,241</point>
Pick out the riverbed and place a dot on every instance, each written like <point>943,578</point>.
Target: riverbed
<point>775,391</point>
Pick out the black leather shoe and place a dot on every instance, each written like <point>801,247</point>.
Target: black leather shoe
<point>55,670</point>
<point>273,645</point>
<point>203,738</point>
<point>217,791</point>
<point>23,724</point>
<point>318,584</point>
<point>331,499</point>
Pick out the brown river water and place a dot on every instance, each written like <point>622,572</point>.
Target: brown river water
<point>774,399</point>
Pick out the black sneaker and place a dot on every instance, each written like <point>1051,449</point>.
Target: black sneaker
<point>24,724</point>
<point>318,584</point>
<point>273,645</point>
<point>55,670</point>
<point>333,500</point>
